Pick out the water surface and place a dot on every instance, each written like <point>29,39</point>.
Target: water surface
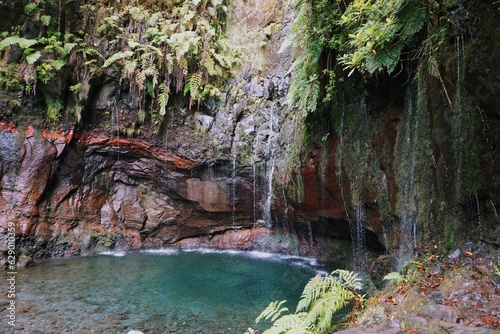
<point>157,291</point>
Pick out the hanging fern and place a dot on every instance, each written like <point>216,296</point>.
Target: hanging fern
<point>193,85</point>
<point>163,98</point>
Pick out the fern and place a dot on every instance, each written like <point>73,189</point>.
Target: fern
<point>273,311</point>
<point>163,98</point>
<point>8,41</point>
<point>45,20</point>
<point>394,276</point>
<point>68,47</point>
<point>323,296</point>
<point>88,50</point>
<point>59,63</point>
<point>31,8</point>
<point>194,82</point>
<point>24,43</point>
<point>116,57</point>
<point>33,58</point>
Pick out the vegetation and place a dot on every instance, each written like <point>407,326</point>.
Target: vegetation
<point>365,36</point>
<point>150,48</point>
<point>322,298</point>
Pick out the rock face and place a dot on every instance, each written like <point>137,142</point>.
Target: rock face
<point>105,193</point>
<point>394,165</point>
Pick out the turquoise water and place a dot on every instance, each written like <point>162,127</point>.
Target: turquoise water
<point>162,291</point>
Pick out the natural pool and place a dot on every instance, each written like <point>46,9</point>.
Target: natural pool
<point>156,291</point>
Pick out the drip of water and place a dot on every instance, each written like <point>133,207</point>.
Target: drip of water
<point>209,170</point>
<point>479,217</point>
<point>358,236</point>
<point>339,165</point>
<point>310,236</point>
<point>284,200</point>
<point>494,208</point>
<point>458,102</point>
<point>459,42</point>
<point>486,126</point>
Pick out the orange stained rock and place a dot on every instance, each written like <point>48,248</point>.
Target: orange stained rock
<point>12,128</point>
<point>30,131</point>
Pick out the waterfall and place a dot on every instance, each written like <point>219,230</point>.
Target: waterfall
<point>407,197</point>
<point>254,172</point>
<point>234,184</point>
<point>270,148</point>
<point>269,196</point>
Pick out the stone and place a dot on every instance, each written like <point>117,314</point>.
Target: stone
<point>105,96</point>
<point>205,120</point>
<point>440,312</point>
<point>213,196</point>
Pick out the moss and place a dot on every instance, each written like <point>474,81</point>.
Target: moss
<point>449,233</point>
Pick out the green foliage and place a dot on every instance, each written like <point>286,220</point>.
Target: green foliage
<point>31,9</point>
<point>54,108</point>
<point>395,277</point>
<point>154,48</point>
<point>378,32</point>
<point>367,36</point>
<point>321,299</point>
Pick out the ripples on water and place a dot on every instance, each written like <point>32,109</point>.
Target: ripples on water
<point>156,291</point>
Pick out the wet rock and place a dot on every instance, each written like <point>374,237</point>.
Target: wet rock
<point>205,120</point>
<point>441,312</point>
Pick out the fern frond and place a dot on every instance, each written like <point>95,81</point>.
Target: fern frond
<point>8,41</point>
<point>394,276</point>
<point>68,47</point>
<point>27,43</point>
<point>32,58</point>
<point>273,309</point>
<point>194,82</point>
<point>349,278</point>
<point>163,98</point>
<point>59,63</point>
<point>45,20</point>
<point>129,67</point>
<point>92,52</point>
<point>116,57</point>
<point>290,323</point>
<point>140,78</point>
